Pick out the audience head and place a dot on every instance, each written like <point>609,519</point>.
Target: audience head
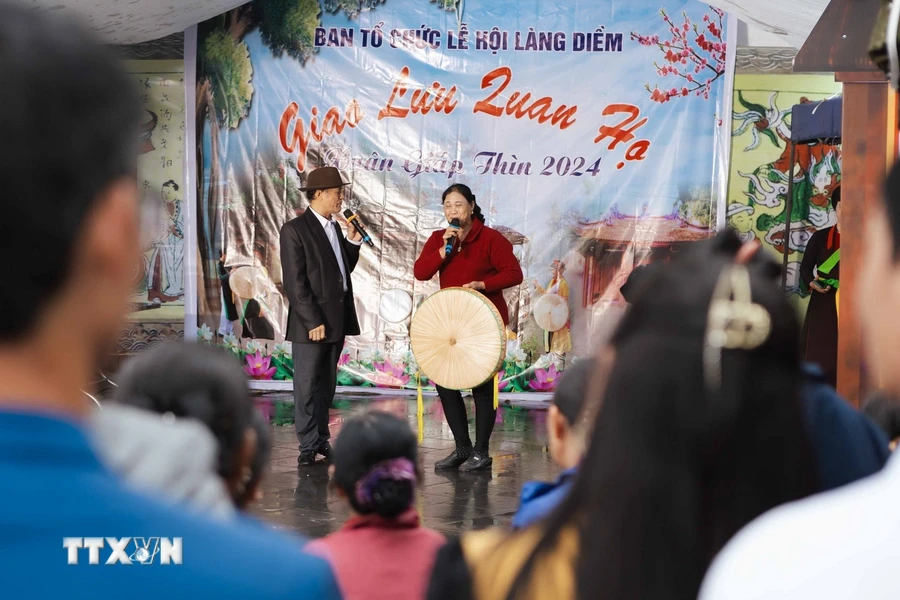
<point>202,383</point>
<point>565,432</point>
<point>638,281</point>
<point>375,464</point>
<point>700,428</point>
<point>67,161</point>
<point>260,461</point>
<point>878,292</point>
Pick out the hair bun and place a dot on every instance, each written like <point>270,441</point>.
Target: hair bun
<point>387,488</point>
<point>391,498</point>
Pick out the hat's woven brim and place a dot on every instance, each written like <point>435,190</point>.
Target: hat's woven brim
<point>458,338</point>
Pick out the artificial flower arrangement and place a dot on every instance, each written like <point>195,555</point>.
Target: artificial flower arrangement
<point>371,368</point>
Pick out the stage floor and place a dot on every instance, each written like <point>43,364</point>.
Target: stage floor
<point>450,502</point>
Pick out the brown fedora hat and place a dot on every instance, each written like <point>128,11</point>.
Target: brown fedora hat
<point>324,178</point>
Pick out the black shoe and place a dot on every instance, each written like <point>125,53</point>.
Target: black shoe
<point>325,450</point>
<point>306,459</point>
<point>456,458</point>
<point>476,462</point>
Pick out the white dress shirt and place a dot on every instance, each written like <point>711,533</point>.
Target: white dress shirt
<point>332,235</point>
<point>839,545</point>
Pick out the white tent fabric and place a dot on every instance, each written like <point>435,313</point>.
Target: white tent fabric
<point>135,21</point>
<point>792,21</point>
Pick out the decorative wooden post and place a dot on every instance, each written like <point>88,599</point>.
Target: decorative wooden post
<point>839,44</point>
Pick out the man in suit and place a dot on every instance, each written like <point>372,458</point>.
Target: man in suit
<point>317,261</point>
<point>84,211</point>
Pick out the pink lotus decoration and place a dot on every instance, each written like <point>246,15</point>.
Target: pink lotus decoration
<point>258,366</point>
<point>344,360</point>
<point>501,384</point>
<point>389,375</point>
<point>266,408</point>
<point>545,379</point>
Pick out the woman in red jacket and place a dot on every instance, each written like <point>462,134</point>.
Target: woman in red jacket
<point>481,259</point>
<point>382,552</point>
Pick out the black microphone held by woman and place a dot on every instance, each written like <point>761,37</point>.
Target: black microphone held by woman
<point>448,249</point>
<point>353,219</point>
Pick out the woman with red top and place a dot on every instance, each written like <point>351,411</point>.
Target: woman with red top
<point>481,259</point>
<point>820,330</point>
<point>382,551</point>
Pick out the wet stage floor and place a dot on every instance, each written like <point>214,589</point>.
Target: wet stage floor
<point>450,502</point>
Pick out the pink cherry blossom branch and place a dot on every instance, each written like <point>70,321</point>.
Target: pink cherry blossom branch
<point>680,50</point>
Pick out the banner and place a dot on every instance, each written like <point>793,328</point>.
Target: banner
<point>595,137</point>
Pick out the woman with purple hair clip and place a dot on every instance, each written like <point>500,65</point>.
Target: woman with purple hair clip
<point>382,551</point>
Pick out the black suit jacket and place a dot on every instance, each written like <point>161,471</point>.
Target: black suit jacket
<point>312,281</point>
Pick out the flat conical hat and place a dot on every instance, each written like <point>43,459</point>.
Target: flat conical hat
<point>247,282</point>
<point>395,306</point>
<point>458,338</point>
<point>551,312</point>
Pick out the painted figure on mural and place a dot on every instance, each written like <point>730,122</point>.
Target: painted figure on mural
<point>257,312</point>
<point>740,217</point>
<point>249,298</point>
<point>559,341</point>
<point>820,272</point>
<point>148,124</point>
<point>229,309</point>
<point>166,282</point>
<point>763,165</point>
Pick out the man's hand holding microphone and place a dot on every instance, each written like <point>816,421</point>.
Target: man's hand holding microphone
<point>355,231</point>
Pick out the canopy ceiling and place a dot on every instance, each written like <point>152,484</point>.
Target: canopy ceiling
<point>135,21</point>
<point>791,20</point>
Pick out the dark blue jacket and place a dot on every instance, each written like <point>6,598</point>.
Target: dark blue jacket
<point>54,487</point>
<point>539,498</point>
<point>847,444</point>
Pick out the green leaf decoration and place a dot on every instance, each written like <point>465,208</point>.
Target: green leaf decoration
<point>765,222</point>
<point>225,62</point>
<point>284,413</point>
<point>283,373</point>
<point>757,108</point>
<point>771,135</point>
<point>800,205</point>
<point>289,26</point>
<point>345,378</point>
